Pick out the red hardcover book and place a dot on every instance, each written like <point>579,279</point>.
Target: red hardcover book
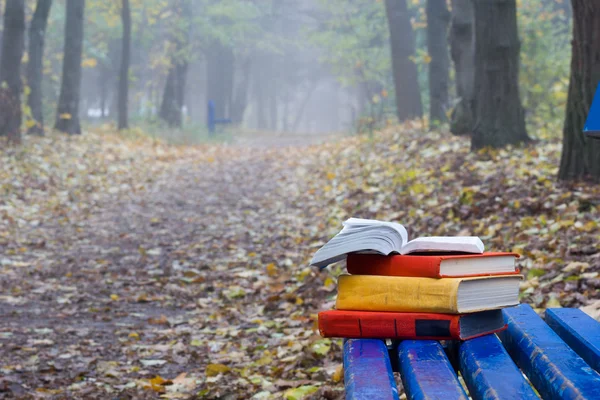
<point>392,325</point>
<point>433,266</point>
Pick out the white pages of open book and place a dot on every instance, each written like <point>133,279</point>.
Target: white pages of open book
<point>379,237</point>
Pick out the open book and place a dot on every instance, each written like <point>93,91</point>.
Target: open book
<point>378,237</point>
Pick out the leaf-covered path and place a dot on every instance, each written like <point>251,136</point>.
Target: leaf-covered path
<point>171,291</point>
<point>132,269</point>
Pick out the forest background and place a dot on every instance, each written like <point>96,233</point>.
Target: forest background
<point>144,256</point>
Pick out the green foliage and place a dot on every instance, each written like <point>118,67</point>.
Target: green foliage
<point>545,35</point>
<point>354,38</point>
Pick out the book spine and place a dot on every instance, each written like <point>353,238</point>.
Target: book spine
<point>412,266</point>
<point>358,324</point>
<point>399,294</point>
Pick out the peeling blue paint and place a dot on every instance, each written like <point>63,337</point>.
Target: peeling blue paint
<point>367,371</point>
<point>556,371</point>
<point>489,371</point>
<point>427,373</point>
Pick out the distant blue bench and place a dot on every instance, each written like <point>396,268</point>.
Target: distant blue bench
<point>212,119</point>
<point>560,357</point>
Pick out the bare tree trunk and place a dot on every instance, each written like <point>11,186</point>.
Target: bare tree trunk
<point>67,116</point>
<point>499,117</point>
<point>123,106</point>
<point>10,70</point>
<point>581,155</point>
<point>171,109</point>
<point>462,52</point>
<point>438,18</point>
<point>220,75</point>
<point>35,68</point>
<point>240,100</point>
<point>408,94</point>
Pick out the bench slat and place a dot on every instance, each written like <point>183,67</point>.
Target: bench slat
<point>555,370</point>
<point>426,371</point>
<point>580,331</point>
<point>368,371</point>
<point>489,371</point>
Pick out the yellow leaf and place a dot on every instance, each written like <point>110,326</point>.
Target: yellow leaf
<point>30,123</point>
<point>553,302</point>
<point>134,335</point>
<point>271,269</point>
<point>65,116</point>
<point>427,59</point>
<point>89,63</point>
<point>216,369</point>
<point>266,360</point>
<point>114,297</point>
<point>330,176</point>
<point>300,392</point>
<point>158,383</point>
<point>299,301</point>
<point>338,374</point>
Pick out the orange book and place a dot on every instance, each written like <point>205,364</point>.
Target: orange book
<point>433,266</point>
<point>398,325</point>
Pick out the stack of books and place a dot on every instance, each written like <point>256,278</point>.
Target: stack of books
<point>441,288</point>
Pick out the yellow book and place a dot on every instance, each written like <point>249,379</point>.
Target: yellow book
<point>407,294</point>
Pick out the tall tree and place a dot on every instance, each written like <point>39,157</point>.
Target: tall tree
<point>35,68</point>
<point>581,155</point>
<point>13,42</point>
<point>461,50</point>
<point>402,43</point>
<point>220,68</point>
<point>171,108</point>
<point>499,117</point>
<point>67,116</point>
<point>123,105</point>
<point>438,18</point>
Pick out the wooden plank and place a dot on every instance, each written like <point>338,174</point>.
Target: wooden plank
<point>367,370</point>
<point>489,371</point>
<point>427,373</point>
<point>556,371</point>
<point>580,331</point>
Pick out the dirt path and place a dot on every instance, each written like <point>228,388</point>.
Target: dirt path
<point>190,279</point>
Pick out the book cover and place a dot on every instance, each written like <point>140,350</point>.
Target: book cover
<point>392,325</point>
<point>402,294</point>
<point>425,266</point>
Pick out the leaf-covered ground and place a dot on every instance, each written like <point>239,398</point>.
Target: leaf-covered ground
<point>135,270</point>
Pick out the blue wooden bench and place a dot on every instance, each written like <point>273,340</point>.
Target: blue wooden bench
<point>212,120</point>
<point>558,358</point>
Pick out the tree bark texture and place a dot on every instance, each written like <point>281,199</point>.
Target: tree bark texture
<point>123,106</point>
<point>580,154</point>
<point>67,116</point>
<point>171,109</point>
<point>402,43</point>
<point>35,67</point>
<point>10,70</point>
<point>499,117</point>
<point>240,100</point>
<point>462,52</point>
<point>220,74</point>
<point>438,18</point>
